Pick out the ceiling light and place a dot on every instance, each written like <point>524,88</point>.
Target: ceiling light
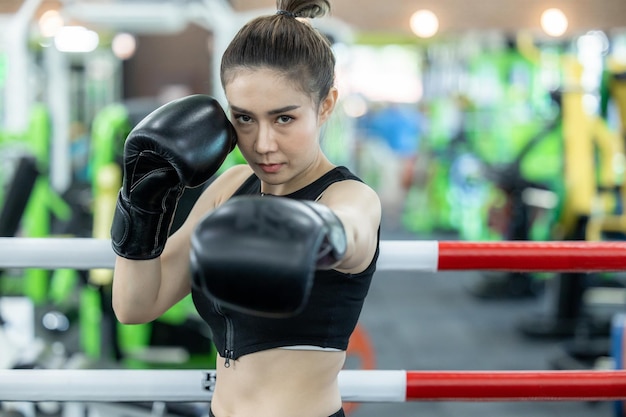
<point>50,23</point>
<point>424,23</point>
<point>554,22</point>
<point>76,39</point>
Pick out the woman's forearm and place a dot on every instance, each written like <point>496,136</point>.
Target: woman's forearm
<point>136,286</point>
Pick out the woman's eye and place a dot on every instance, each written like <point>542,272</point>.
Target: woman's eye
<point>284,119</point>
<point>242,118</point>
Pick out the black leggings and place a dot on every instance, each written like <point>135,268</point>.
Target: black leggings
<point>339,413</point>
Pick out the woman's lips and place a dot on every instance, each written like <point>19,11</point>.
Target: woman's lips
<point>270,168</point>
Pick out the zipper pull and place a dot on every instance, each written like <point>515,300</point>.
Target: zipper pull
<point>228,354</point>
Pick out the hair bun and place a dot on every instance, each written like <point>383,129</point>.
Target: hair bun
<point>303,8</point>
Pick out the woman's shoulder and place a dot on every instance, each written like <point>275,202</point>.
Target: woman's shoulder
<point>352,188</point>
<point>223,187</point>
<point>237,172</point>
<point>230,180</point>
<point>347,179</point>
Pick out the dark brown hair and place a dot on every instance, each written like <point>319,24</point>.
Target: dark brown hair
<point>286,44</point>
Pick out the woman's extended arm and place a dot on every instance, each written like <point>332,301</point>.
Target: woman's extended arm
<point>358,207</point>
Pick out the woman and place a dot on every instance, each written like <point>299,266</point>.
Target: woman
<point>278,76</point>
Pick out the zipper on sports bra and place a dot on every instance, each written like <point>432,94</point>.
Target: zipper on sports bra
<point>229,352</point>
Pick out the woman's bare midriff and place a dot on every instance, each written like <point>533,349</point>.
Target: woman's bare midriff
<point>279,383</point>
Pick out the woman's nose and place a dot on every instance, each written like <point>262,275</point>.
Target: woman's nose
<point>265,141</point>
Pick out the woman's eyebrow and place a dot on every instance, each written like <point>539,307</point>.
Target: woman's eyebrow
<point>283,109</point>
<point>271,112</point>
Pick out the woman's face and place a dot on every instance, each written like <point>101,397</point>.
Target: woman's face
<point>278,126</point>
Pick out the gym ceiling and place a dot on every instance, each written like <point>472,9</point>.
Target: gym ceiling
<point>392,16</point>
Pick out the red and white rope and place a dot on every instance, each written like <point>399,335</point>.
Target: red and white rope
<point>407,255</point>
<point>355,385</point>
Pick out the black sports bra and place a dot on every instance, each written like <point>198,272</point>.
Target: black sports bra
<point>327,321</point>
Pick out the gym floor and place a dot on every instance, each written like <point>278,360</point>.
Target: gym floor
<point>430,321</point>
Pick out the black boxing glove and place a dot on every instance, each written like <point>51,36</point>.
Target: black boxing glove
<point>258,255</point>
<point>333,246</point>
<point>180,144</point>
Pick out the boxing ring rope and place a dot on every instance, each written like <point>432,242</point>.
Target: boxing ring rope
<point>355,385</point>
<point>408,255</point>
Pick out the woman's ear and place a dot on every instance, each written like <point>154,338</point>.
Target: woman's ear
<point>328,105</point>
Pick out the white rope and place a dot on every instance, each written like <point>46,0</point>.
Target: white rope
<point>88,253</point>
<point>56,253</point>
<point>169,385</point>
